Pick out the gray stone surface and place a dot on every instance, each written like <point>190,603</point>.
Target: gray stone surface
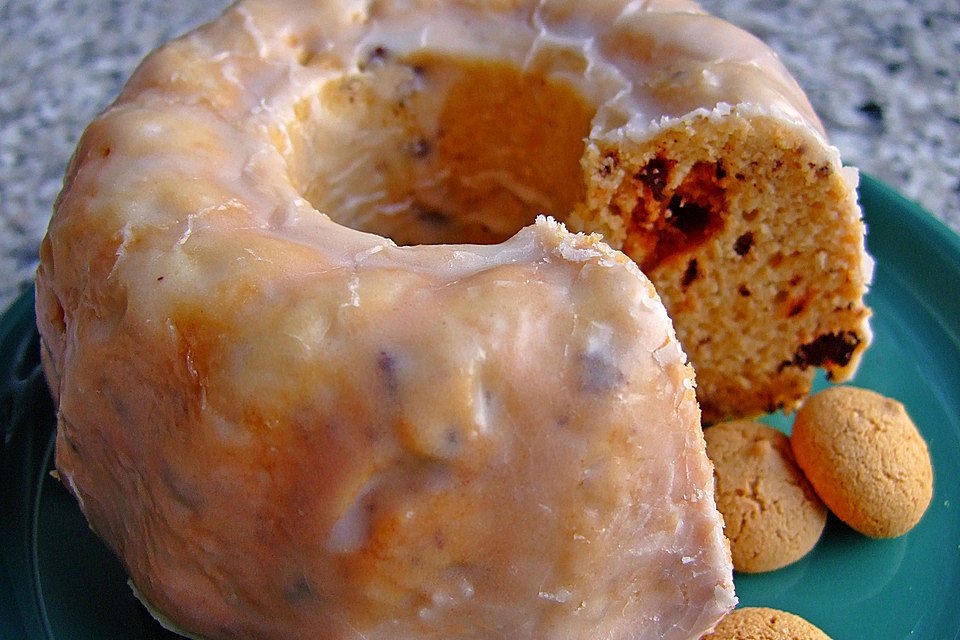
<point>884,77</point>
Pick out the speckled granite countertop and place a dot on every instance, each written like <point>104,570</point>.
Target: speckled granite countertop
<point>884,77</point>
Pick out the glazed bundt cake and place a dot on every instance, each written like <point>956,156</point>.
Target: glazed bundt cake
<point>322,369</point>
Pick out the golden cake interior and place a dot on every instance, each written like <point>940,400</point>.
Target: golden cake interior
<point>735,217</point>
<point>738,223</point>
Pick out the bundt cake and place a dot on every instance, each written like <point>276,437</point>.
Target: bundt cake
<point>322,371</point>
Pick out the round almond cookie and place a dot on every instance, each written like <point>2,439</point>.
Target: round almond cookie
<point>866,459</point>
<point>772,515</point>
<point>760,623</point>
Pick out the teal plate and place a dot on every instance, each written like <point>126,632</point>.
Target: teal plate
<point>57,581</point>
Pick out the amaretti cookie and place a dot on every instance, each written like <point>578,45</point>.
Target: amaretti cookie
<point>866,459</point>
<point>772,515</point>
<point>761,623</point>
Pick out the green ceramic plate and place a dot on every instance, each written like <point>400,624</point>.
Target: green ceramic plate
<point>57,581</point>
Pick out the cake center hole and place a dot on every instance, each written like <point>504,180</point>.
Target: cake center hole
<point>432,150</point>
